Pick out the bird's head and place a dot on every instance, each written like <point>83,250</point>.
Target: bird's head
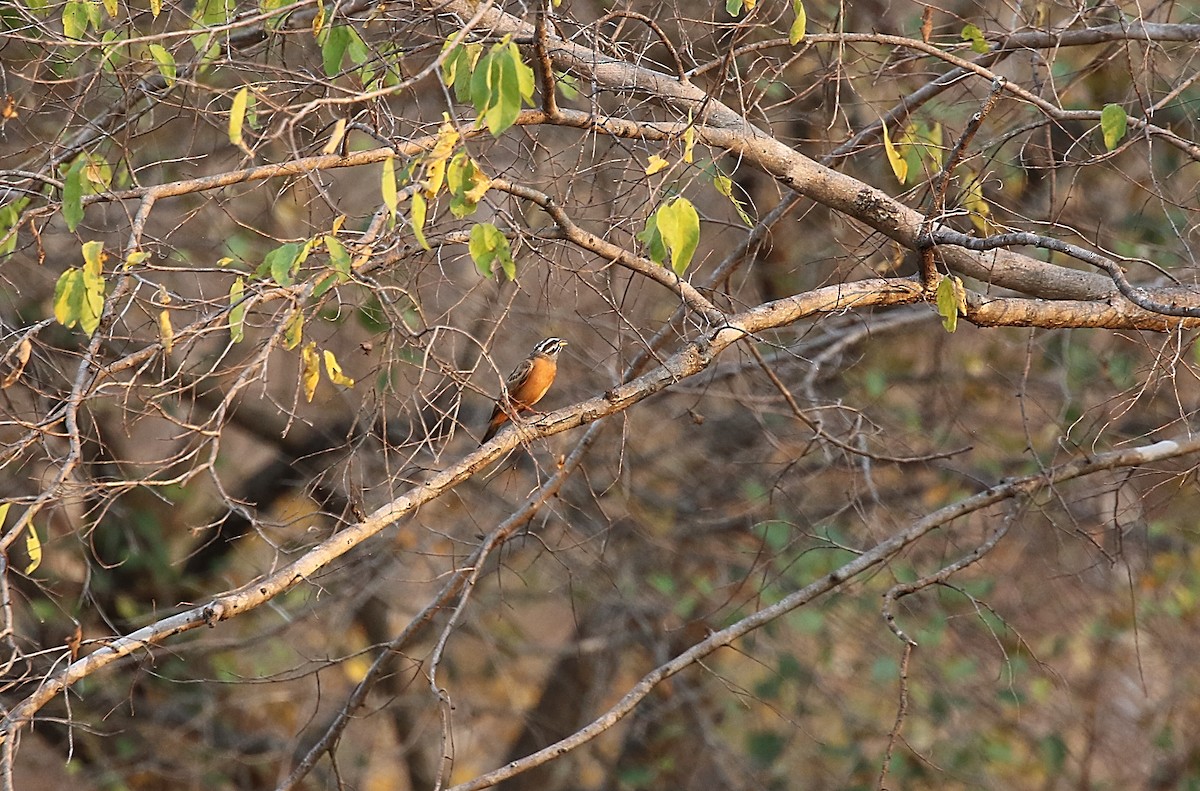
<point>549,347</point>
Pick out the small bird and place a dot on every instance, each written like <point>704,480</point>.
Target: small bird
<point>526,385</point>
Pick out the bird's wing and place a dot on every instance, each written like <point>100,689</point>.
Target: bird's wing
<point>519,375</point>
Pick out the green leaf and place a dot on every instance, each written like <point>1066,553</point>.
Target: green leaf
<point>356,48</point>
<point>1113,123</point>
<point>419,207</point>
<point>452,65</point>
<point>333,40</point>
<point>339,257</point>
<point>500,82</point>
<point>796,33</point>
<point>507,265</point>
<point>679,225</point>
<point>467,185</point>
<point>165,62</point>
<point>481,82</point>
<point>324,284</point>
<point>488,245</point>
<point>467,61</point>
<point>653,240</point>
<point>73,194</point>
<point>373,317</point>
<point>505,97</point>
<point>973,34</point>
<point>525,77</point>
<point>213,12</point>
<point>68,296</point>
<point>733,7</point>
<point>281,262</point>
<point>75,19</point>
<point>10,215</point>
<point>237,311</point>
<point>568,86</point>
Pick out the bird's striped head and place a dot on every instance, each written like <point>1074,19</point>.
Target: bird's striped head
<point>549,347</point>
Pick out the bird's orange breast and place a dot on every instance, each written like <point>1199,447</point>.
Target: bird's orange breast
<point>536,384</point>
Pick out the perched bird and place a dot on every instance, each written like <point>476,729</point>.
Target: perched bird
<point>526,385</point>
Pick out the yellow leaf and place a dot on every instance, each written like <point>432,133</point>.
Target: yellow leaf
<point>4,512</point>
<point>311,373</point>
<point>319,19</point>
<point>111,7</point>
<point>336,137</point>
<point>689,141</point>
<point>387,186</point>
<point>895,159</point>
<point>293,333</point>
<point>335,371</point>
<point>435,163</point>
<point>166,333</point>
<point>18,361</point>
<point>951,301</point>
<point>155,8</point>
<point>679,224</point>
<point>98,174</point>
<point>482,184</point>
<point>165,62</point>
<point>237,117</point>
<point>724,186</point>
<point>94,257</point>
<point>657,163</point>
<point>796,33</point>
<point>418,218</point>
<point>237,311</point>
<point>33,548</point>
<point>338,222</point>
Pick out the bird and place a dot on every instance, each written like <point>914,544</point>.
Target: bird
<point>526,385</point>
